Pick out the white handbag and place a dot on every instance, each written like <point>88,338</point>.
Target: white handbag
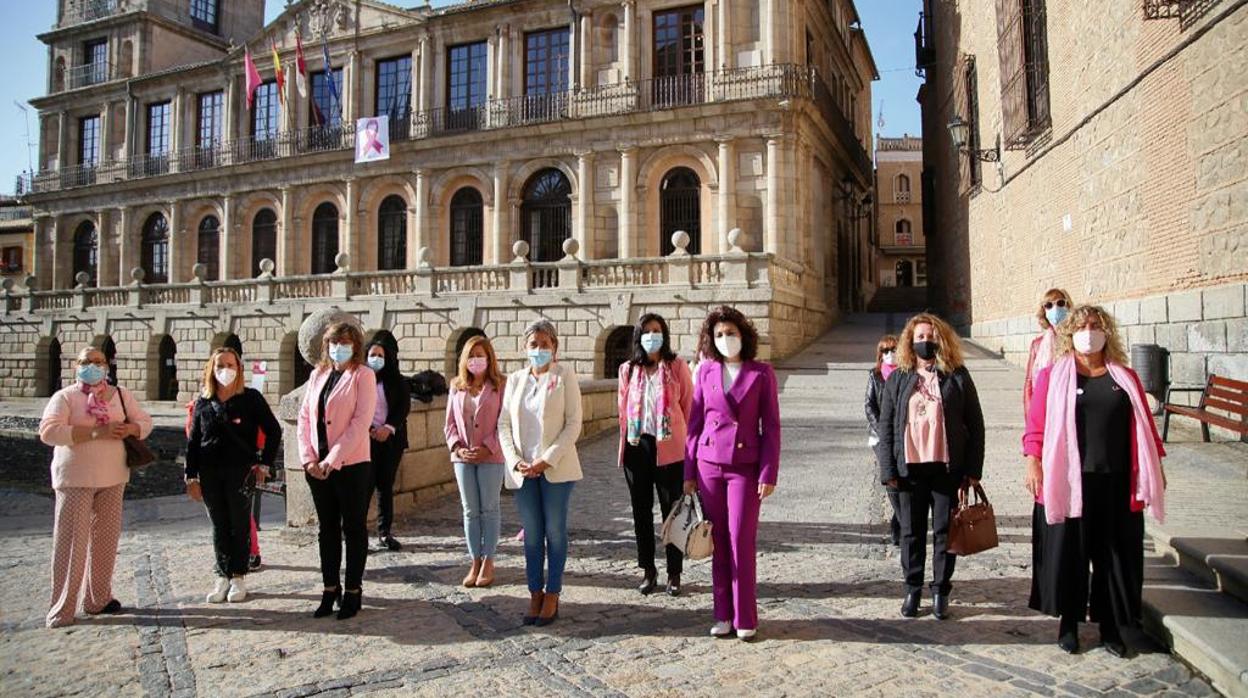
<point>686,528</point>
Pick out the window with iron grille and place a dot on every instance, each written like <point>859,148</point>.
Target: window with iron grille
<point>86,250</point>
<point>95,55</point>
<point>89,141</point>
<point>263,239</point>
<point>465,81</point>
<point>467,227</point>
<point>204,14</point>
<point>155,249</point>
<point>264,112</point>
<point>12,259</point>
<point>971,79</point>
<point>546,214</point>
<point>680,208</point>
<point>678,55</point>
<point>325,108</point>
<point>618,350</point>
<point>209,248</point>
<point>1022,44</point>
<point>392,233</point>
<point>394,93</point>
<point>546,57</point>
<point>324,238</point>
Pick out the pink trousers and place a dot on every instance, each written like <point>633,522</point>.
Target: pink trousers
<point>84,544</point>
<point>730,501</point>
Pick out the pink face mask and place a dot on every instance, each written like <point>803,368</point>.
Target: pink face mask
<point>477,365</point>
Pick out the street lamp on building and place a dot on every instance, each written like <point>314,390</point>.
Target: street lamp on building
<point>960,132</point>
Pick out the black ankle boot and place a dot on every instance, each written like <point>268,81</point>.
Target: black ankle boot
<point>328,599</point>
<point>940,605</point>
<point>649,582</point>
<point>350,604</point>
<point>1111,639</point>
<point>910,604</point>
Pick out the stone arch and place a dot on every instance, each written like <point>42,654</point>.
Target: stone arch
<point>162,368</point>
<point>650,178</point>
<point>293,369</point>
<point>440,195</point>
<point>520,178</point>
<point>612,347</point>
<point>308,203</point>
<point>455,342</point>
<point>245,216</point>
<point>50,370</point>
<point>373,193</point>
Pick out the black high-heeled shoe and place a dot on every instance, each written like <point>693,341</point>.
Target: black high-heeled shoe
<point>328,599</point>
<point>351,601</point>
<point>649,582</point>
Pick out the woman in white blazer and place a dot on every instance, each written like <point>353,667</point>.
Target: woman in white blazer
<point>538,428</point>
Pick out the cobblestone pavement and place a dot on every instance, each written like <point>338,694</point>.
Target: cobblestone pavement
<point>829,587</point>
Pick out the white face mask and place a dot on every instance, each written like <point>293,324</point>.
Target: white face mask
<point>729,346</point>
<point>225,376</point>
<point>890,358</point>
<point>1089,341</point>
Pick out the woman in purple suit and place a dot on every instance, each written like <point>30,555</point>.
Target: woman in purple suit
<point>732,457</point>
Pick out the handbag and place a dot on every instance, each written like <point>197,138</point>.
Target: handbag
<point>974,526</point>
<point>686,528</point>
<point>138,453</point>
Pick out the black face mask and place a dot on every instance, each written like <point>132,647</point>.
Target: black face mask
<point>926,350</point>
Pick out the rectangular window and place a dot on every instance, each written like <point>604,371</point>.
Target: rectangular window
<point>211,119</point>
<point>678,55</point>
<point>89,141</point>
<point>1022,45</point>
<point>12,259</point>
<point>394,93</point>
<point>546,57</point>
<point>465,80</point>
<point>326,108</point>
<point>158,115</point>
<point>95,61</point>
<point>204,15</point>
<point>264,112</point>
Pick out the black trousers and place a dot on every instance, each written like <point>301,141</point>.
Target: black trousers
<point>341,502</point>
<point>644,476</point>
<point>894,524</point>
<point>386,457</point>
<point>929,488</point>
<point>230,512</point>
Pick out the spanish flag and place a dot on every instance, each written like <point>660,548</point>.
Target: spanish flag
<point>279,75</point>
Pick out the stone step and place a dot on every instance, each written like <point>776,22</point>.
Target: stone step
<point>1220,562</point>
<point>1232,572</point>
<point>1200,625</point>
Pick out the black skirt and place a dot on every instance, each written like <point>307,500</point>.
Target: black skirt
<point>1108,538</point>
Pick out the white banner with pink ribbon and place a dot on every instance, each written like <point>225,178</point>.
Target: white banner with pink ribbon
<point>372,139</point>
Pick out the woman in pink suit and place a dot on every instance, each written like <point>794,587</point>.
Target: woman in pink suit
<point>732,457</point>
<point>334,420</point>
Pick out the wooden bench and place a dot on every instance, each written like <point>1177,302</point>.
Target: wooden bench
<point>1222,394</point>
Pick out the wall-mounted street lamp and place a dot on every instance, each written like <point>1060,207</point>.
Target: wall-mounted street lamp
<point>960,132</point>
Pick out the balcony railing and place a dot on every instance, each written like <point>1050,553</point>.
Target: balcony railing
<point>88,74</point>
<point>924,50</point>
<point>14,213</point>
<point>795,82</point>
<point>78,11</point>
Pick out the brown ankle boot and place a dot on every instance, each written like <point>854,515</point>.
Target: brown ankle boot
<point>535,607</point>
<point>486,576</point>
<point>471,579</point>
<point>550,609</point>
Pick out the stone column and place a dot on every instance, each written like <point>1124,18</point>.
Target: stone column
<point>413,82</point>
<point>491,67</point>
<point>587,54</point>
<point>59,273</point>
<point>426,72</point>
<point>127,246</point>
<point>350,240</point>
<point>229,239</point>
<point>504,62</point>
<point>710,29</point>
<point>352,89</point>
<point>286,246</point>
<point>626,40</point>
<point>231,109</point>
<point>106,140</point>
<point>128,149</point>
<point>178,252</point>
<point>413,238</point>
<point>422,211</point>
<point>771,228</point>
<point>108,265</point>
<point>727,196</point>
<point>62,137</point>
<point>499,238</point>
<point>584,231</point>
<point>574,44</point>
<point>726,56</point>
<point>628,190</point>
<point>175,130</point>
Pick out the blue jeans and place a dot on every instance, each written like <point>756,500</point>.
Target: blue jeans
<point>544,512</point>
<point>480,485</point>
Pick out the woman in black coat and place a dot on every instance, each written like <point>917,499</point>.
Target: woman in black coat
<point>388,434</point>
<point>931,444</point>
<point>885,364</point>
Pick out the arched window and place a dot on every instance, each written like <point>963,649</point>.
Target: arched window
<point>167,373</point>
<point>680,209</point>
<point>210,247</point>
<point>54,367</point>
<point>618,349</point>
<point>902,193</point>
<point>392,233</point>
<point>86,250</point>
<point>546,214</point>
<point>902,235</point>
<point>467,227</point>
<point>324,238</point>
<point>263,239</point>
<point>155,249</point>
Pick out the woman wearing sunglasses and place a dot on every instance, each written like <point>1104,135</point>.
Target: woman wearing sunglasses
<point>1054,307</point>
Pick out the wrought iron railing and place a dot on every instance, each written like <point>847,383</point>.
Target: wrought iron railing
<point>78,11</point>
<point>15,213</point>
<point>88,74</point>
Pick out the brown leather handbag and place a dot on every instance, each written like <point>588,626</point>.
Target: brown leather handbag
<point>974,526</point>
<point>138,453</point>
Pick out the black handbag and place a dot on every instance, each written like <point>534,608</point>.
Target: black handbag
<point>138,453</point>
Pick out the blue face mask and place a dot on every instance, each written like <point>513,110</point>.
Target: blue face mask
<point>1056,314</point>
<point>376,362</point>
<point>340,353</point>
<point>540,357</point>
<point>91,374</point>
<point>652,342</point>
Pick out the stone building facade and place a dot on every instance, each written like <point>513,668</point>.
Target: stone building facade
<point>17,240</point>
<point>580,163</point>
<point>1122,134</point>
<point>899,238</point>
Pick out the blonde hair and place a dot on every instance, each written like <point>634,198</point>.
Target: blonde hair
<point>1050,296</point>
<point>463,377</point>
<point>1114,351</point>
<point>86,351</point>
<point>336,333</point>
<point>948,359</point>
<point>209,390</point>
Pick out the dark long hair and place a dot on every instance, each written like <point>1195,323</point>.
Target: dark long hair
<point>389,374</point>
<point>728,314</point>
<point>640,356</point>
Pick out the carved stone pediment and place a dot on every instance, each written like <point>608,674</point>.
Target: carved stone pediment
<point>325,18</point>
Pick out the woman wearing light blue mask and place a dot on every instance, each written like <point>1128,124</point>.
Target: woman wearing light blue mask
<point>1053,309</point>
<point>654,396</point>
<point>538,426</point>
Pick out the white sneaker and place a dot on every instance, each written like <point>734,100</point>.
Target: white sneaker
<point>746,634</point>
<point>217,595</point>
<point>238,590</point>
<point>721,629</point>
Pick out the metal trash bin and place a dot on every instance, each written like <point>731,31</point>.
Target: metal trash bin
<point>1152,363</point>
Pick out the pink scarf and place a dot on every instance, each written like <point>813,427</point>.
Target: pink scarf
<point>97,406</point>
<point>886,370</point>
<point>1044,352</point>
<point>1063,471</point>
<point>636,409</point>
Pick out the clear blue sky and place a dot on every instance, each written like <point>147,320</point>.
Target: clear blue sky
<point>889,25</point>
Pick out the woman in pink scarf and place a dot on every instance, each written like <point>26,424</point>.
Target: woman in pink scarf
<point>1094,464</point>
<point>885,364</point>
<point>1054,308</point>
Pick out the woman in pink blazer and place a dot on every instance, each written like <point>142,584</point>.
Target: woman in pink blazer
<point>732,456</point>
<point>472,436</point>
<point>655,394</point>
<point>334,419</point>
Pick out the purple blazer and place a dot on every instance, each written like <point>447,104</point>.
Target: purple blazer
<point>741,427</point>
